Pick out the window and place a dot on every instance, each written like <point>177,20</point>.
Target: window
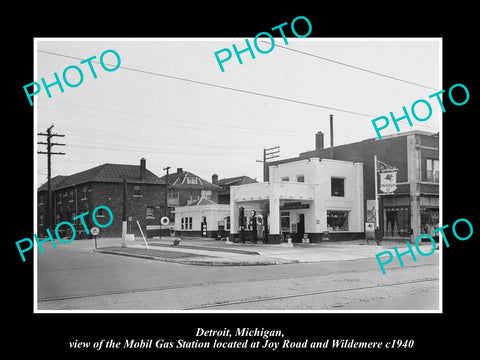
<point>396,221</point>
<point>59,198</point>
<point>207,194</point>
<point>84,192</point>
<point>285,178</point>
<point>227,223</point>
<point>337,220</point>
<point>40,199</point>
<point>300,178</point>
<point>41,219</point>
<point>192,180</point>
<point>172,194</point>
<point>137,191</point>
<point>149,212</point>
<point>338,187</point>
<point>100,212</point>
<point>285,221</point>
<point>72,193</point>
<point>171,213</point>
<point>186,223</point>
<point>432,170</point>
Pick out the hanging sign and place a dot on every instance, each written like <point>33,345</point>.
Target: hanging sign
<point>388,181</point>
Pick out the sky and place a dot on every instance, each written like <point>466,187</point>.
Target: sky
<point>158,105</point>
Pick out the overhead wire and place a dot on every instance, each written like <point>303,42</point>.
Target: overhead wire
<point>220,86</point>
<point>351,66</point>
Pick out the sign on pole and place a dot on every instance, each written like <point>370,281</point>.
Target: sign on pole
<point>95,231</point>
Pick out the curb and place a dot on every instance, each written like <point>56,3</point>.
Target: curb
<point>197,262</point>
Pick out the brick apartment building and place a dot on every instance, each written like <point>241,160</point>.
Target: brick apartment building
<point>413,208</point>
<point>103,185</point>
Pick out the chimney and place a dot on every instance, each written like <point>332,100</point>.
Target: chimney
<point>142,168</point>
<point>319,140</point>
<point>331,136</point>
<point>215,179</point>
<point>179,170</point>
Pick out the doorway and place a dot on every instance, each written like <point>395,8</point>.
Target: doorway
<point>300,227</point>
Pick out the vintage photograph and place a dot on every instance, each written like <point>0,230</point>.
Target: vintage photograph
<point>265,174</point>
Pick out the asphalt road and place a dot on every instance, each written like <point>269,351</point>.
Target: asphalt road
<point>72,277</point>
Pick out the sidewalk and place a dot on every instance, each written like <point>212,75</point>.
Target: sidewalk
<point>201,251</point>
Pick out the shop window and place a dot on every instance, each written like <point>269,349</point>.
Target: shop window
<point>285,221</point>
<point>433,174</point>
<point>396,221</point>
<point>338,187</point>
<point>300,178</point>
<point>429,221</point>
<point>285,178</point>
<point>337,220</point>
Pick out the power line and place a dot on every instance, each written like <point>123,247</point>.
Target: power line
<point>216,127</point>
<point>220,86</point>
<point>352,66</point>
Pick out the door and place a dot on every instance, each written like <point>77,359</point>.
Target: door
<point>300,227</point>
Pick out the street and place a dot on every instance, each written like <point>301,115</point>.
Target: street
<point>73,277</point>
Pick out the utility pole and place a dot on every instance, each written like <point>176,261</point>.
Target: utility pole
<point>49,153</point>
<point>124,213</point>
<point>166,191</point>
<point>268,154</point>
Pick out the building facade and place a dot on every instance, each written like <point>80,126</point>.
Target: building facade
<point>413,208</point>
<point>319,198</point>
<point>104,185</point>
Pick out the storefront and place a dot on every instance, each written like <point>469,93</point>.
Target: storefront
<point>316,198</point>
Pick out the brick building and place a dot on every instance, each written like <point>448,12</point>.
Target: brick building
<point>413,208</point>
<point>103,185</point>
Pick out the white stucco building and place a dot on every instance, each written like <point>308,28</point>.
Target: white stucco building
<point>310,197</point>
<point>202,217</point>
